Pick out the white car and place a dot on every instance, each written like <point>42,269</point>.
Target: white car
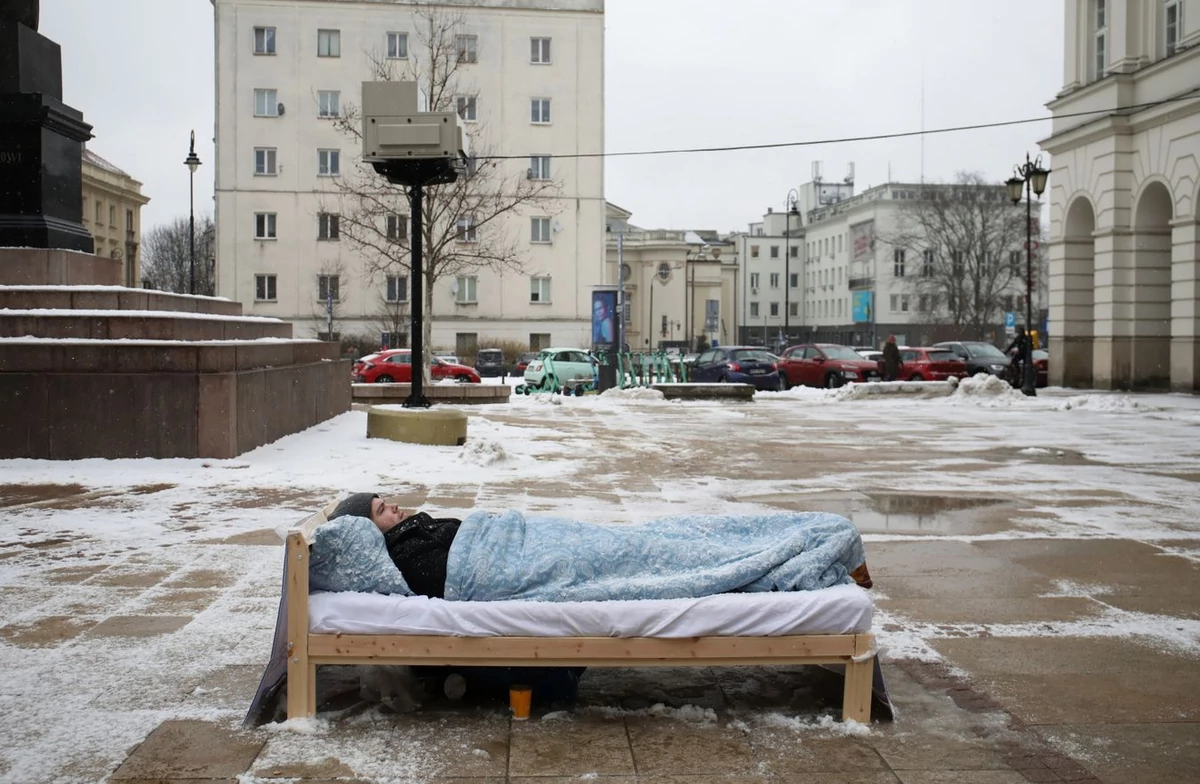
<point>570,367</point>
<point>450,358</point>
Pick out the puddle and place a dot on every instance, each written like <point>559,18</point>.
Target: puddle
<point>904,512</point>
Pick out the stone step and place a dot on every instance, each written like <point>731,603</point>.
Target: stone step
<point>137,325</point>
<point>53,355</point>
<point>111,298</point>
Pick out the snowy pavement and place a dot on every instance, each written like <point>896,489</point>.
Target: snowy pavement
<point>1042,552</point>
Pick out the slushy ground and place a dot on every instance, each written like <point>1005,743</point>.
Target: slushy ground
<point>1035,567</point>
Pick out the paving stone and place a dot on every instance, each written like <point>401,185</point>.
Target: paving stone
<point>790,754</point>
<point>921,752</point>
<point>139,625</point>
<point>571,746</point>
<point>190,750</point>
<point>961,777</point>
<point>47,632</point>
<point>1125,698</point>
<point>1131,752</point>
<point>991,609</point>
<point>125,577</point>
<point>663,746</point>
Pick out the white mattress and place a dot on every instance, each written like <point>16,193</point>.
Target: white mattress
<point>843,609</point>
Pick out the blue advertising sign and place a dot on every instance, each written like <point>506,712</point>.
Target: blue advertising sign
<point>861,306</point>
<point>604,319</point>
<point>1010,320</point>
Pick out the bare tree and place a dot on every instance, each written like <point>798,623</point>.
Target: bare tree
<point>166,257</point>
<point>959,240</point>
<point>467,225</point>
<point>327,309</point>
<point>393,315</point>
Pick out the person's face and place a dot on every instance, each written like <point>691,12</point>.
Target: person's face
<point>384,515</point>
<point>600,309</point>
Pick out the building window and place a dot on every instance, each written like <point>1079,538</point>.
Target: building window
<point>539,290</point>
<point>128,220</point>
<point>99,211</point>
<point>264,288</point>
<point>329,43</point>
<point>539,229</point>
<point>465,286</point>
<point>898,263</point>
<point>1099,38</point>
<point>264,226</point>
<point>539,167</point>
<point>264,40</point>
<point>539,51</point>
<point>329,163</point>
<point>539,341</point>
<point>397,46</point>
<point>397,227</point>
<point>956,263</point>
<point>397,288</point>
<point>753,280</point>
<point>112,216</point>
<point>1173,23</point>
<point>466,229</point>
<point>539,111</point>
<point>754,251</point>
<point>922,303</point>
<point>895,302</point>
<point>754,309</point>
<point>328,227</point>
<point>266,103</point>
<point>329,103</point>
<point>774,308</point>
<point>467,108</point>
<point>774,280</point>
<point>264,162</point>
<point>793,308</point>
<point>327,288</point>
<point>795,251</point>
<point>927,263</point>
<point>903,303</point>
<point>467,47</point>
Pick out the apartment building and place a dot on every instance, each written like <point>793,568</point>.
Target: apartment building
<point>529,85</point>
<point>857,270</point>
<point>1124,232</point>
<point>112,212</point>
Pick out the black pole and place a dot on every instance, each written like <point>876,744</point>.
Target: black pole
<point>416,396</point>
<point>650,325</point>
<point>1029,383</point>
<point>192,233</point>
<point>787,273</point>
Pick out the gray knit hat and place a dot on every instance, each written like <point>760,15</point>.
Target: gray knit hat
<point>357,505</point>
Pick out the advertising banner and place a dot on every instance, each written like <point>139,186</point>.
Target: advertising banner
<point>604,319</point>
<point>861,306</point>
<point>862,241</point>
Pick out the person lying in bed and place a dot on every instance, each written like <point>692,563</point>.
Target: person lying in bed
<point>369,545</point>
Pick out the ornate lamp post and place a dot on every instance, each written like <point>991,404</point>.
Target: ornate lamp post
<point>792,197</point>
<point>192,163</point>
<point>1029,177</point>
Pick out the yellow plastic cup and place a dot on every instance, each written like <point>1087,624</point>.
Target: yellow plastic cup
<point>519,699</point>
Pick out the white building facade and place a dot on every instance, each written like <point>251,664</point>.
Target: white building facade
<point>286,68</point>
<point>1125,242</point>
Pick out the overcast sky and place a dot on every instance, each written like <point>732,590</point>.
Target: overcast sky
<point>679,73</point>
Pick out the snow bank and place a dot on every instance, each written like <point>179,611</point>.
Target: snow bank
<point>632,393</point>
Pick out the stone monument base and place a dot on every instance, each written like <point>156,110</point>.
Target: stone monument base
<point>56,267</point>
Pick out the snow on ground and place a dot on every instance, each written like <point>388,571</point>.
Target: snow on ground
<point>138,536</point>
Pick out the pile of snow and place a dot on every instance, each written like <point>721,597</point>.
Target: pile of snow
<point>482,452</point>
<point>632,393</point>
<point>990,387</point>
<point>1113,403</point>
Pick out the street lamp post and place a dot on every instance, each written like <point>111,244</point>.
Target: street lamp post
<point>1029,177</point>
<point>192,163</point>
<point>792,197</point>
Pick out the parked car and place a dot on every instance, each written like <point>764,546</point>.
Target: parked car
<point>930,364</point>
<point>1041,363</point>
<point>825,365</point>
<point>737,365</point>
<point>523,361</point>
<point>490,362</point>
<point>395,365</point>
<point>568,366</point>
<point>979,356</point>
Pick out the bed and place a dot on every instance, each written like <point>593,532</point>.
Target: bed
<point>830,626</point>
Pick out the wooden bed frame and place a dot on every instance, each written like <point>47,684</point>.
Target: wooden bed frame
<point>306,650</point>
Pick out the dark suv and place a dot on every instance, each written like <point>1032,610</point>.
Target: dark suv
<point>980,357</point>
<point>490,362</point>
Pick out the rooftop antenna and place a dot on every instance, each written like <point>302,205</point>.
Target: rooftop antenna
<point>850,173</point>
<point>816,171</point>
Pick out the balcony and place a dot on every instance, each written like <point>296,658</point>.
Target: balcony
<point>858,284</point>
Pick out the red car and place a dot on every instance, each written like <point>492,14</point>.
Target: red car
<point>824,365</point>
<point>930,364</point>
<point>395,365</point>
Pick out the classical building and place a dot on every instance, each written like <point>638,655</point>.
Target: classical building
<point>112,212</point>
<point>530,86</point>
<point>852,268</point>
<point>680,287</point>
<point>1125,243</point>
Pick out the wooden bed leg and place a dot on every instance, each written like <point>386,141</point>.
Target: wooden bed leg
<point>856,700</point>
<point>301,675</point>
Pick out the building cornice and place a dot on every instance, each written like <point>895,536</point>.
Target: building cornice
<point>575,6</point>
